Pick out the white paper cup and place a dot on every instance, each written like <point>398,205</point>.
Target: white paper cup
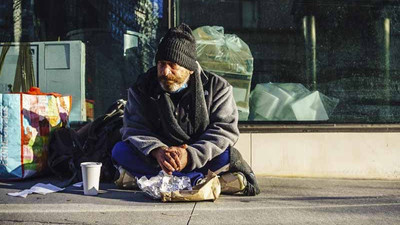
<point>91,177</point>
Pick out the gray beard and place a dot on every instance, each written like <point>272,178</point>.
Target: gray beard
<point>174,87</point>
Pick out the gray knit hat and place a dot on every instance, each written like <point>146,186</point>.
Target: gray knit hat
<point>178,46</point>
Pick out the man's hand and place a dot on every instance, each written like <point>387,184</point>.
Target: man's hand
<point>174,158</point>
<point>165,159</point>
<point>181,156</point>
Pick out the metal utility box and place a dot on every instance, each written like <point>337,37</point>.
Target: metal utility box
<point>58,66</point>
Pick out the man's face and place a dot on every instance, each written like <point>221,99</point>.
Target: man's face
<point>172,76</point>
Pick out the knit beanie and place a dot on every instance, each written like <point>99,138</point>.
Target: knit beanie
<point>178,46</point>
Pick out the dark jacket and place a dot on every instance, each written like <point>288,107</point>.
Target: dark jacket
<point>142,127</point>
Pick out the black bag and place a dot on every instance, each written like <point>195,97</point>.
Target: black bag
<point>64,147</point>
<point>91,143</point>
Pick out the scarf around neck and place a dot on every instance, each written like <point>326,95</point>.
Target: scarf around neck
<point>161,106</point>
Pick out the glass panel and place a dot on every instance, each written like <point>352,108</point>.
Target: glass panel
<point>90,49</point>
<point>332,61</point>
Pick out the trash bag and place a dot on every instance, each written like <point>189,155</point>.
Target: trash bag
<point>289,102</point>
<point>219,52</point>
<point>230,57</point>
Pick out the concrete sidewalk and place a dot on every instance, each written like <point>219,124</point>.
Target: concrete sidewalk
<point>282,201</point>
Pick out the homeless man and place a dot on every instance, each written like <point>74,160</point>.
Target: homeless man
<point>182,119</point>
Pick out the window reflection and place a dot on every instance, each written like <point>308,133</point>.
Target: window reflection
<point>342,49</point>
<point>335,53</point>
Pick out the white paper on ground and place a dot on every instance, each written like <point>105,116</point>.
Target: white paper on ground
<point>38,188</point>
<point>22,194</point>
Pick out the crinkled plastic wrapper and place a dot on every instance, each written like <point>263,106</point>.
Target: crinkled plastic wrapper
<point>163,183</point>
<point>209,190</point>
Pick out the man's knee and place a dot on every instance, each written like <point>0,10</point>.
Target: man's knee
<point>119,150</point>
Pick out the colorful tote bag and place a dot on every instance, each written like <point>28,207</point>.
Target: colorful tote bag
<point>26,121</point>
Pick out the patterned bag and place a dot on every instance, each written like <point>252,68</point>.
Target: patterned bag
<point>26,120</point>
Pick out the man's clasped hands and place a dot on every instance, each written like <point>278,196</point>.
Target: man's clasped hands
<point>171,159</point>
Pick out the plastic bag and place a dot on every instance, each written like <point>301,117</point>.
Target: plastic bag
<point>289,101</point>
<point>26,121</point>
<point>220,52</point>
<point>230,57</point>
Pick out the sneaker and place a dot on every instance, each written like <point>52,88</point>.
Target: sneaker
<point>126,180</point>
<point>232,183</point>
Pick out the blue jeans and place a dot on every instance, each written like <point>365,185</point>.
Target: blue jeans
<point>137,164</point>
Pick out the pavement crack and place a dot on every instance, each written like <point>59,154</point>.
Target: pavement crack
<point>191,214</point>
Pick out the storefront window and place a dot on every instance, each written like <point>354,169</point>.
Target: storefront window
<point>308,60</point>
<point>90,49</point>
<point>289,61</point>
